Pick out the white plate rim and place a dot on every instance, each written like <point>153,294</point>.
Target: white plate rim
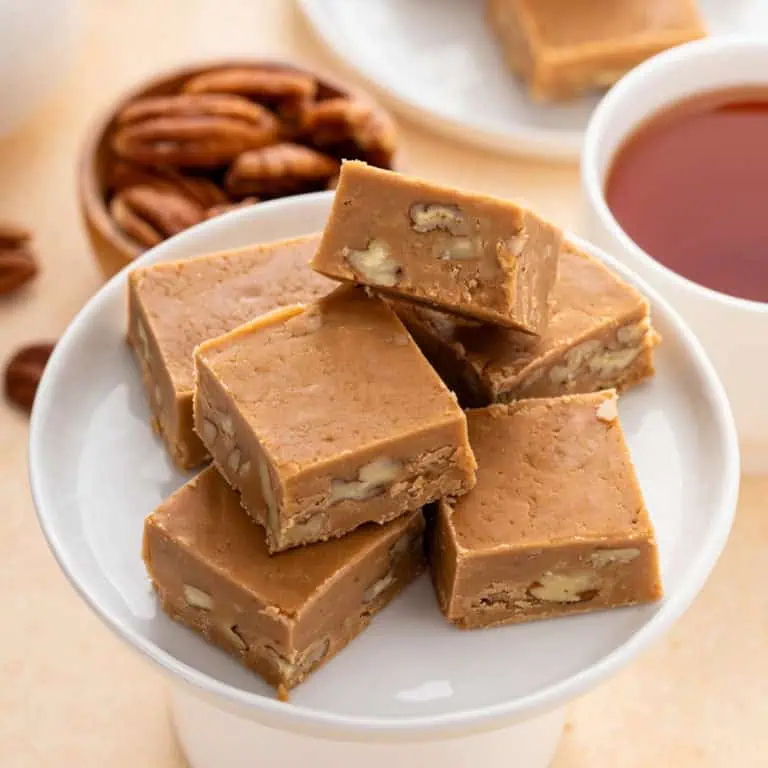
<point>296,717</point>
<point>559,145</point>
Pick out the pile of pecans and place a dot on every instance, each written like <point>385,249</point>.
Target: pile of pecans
<point>18,266</point>
<point>233,136</point>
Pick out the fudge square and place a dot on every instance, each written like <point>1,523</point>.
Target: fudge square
<point>564,48</point>
<point>466,253</point>
<point>556,523</point>
<point>599,337</point>
<point>174,306</point>
<point>282,616</point>
<point>328,417</point>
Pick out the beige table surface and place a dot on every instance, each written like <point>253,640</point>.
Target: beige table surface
<point>70,693</point>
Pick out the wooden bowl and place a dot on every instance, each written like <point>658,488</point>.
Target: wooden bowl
<point>112,247</point>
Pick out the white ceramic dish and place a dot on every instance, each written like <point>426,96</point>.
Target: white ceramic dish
<point>734,331</point>
<point>436,62</point>
<point>37,41</point>
<point>96,470</point>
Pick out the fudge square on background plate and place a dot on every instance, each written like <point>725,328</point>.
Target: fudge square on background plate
<point>469,254</point>
<point>556,523</point>
<point>174,306</point>
<point>599,337</point>
<point>328,417</point>
<point>563,48</point>
<point>281,615</point>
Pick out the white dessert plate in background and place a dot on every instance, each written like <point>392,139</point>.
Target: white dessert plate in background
<point>97,470</point>
<point>438,63</point>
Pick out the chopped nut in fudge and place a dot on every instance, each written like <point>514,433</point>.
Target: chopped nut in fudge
<point>466,253</point>
<point>327,417</point>
<point>174,306</point>
<point>556,523</point>
<point>599,337</point>
<point>284,615</point>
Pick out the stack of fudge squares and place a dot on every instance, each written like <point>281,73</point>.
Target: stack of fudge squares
<point>327,378</point>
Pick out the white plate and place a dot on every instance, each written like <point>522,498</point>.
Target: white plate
<point>97,470</point>
<point>436,61</point>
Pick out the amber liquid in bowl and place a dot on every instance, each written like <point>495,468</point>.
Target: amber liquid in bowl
<point>690,187</point>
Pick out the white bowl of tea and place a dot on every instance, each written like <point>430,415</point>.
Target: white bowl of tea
<point>675,174</point>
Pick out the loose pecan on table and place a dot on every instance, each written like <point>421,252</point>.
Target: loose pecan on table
<point>17,261</point>
<point>23,373</point>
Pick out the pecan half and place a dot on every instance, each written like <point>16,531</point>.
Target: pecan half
<point>201,130</point>
<point>17,262</point>
<point>23,373</point>
<point>281,89</point>
<point>122,174</point>
<point>281,169</point>
<point>13,235</point>
<point>217,210</point>
<point>351,129</point>
<point>149,214</point>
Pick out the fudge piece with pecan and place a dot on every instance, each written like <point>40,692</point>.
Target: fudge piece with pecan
<point>599,336</point>
<point>328,417</point>
<point>285,615</point>
<point>174,306</point>
<point>556,524</point>
<point>469,254</point>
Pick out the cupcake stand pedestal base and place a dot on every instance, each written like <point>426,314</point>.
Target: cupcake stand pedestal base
<point>212,737</point>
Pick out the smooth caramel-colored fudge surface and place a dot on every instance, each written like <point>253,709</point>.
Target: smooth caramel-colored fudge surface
<point>175,306</point>
<point>565,48</point>
<point>329,417</point>
<point>599,336</point>
<point>556,523</point>
<point>586,22</point>
<point>466,253</point>
<point>281,615</point>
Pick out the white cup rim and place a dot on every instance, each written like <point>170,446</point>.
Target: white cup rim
<point>601,118</point>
